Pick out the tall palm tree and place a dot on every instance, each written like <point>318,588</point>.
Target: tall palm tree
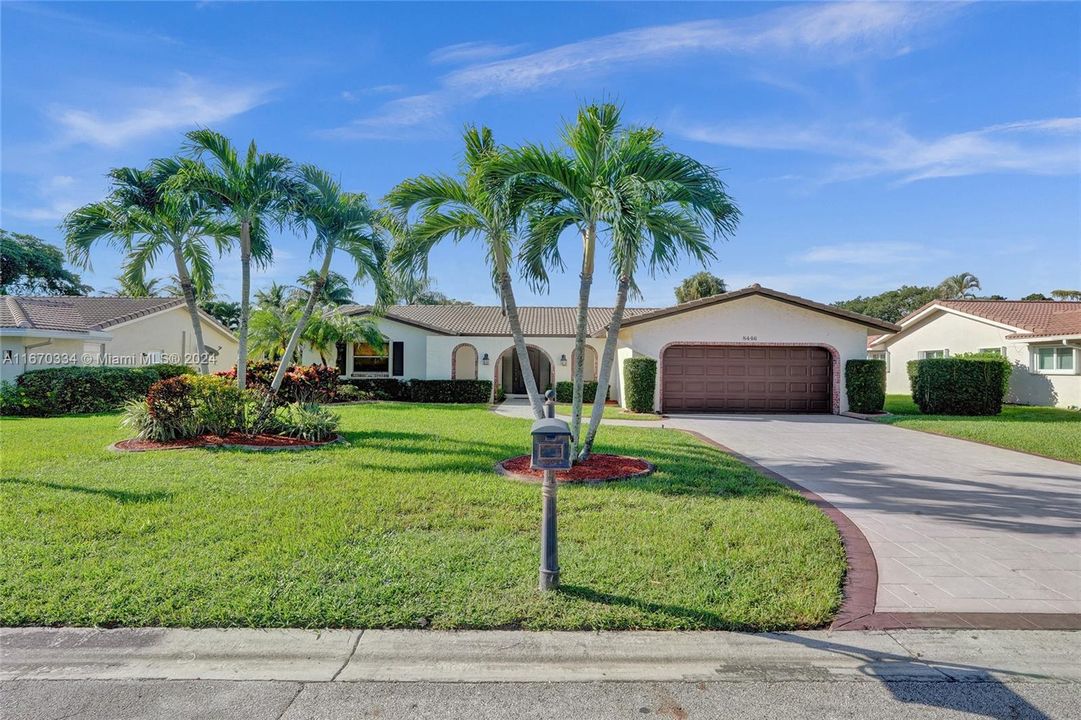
<point>456,208</point>
<point>672,205</point>
<point>269,330</point>
<point>274,295</point>
<point>337,290</point>
<point>143,216</point>
<point>958,287</point>
<point>339,220</point>
<point>250,192</point>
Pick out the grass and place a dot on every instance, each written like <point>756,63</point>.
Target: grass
<point>408,526</point>
<point>1054,432</point>
<point>611,412</point>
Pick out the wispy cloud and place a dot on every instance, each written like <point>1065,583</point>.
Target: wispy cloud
<point>1038,147</point>
<point>828,33</point>
<point>870,254</point>
<point>470,52</point>
<point>142,112</point>
<point>386,89</point>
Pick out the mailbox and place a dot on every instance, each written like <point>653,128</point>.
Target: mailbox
<point>551,445</point>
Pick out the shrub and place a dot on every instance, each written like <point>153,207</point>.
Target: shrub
<point>996,357</point>
<point>348,393</point>
<point>957,386</point>
<point>640,383</point>
<point>865,383</point>
<point>500,395</point>
<point>308,421</point>
<point>302,383</point>
<point>450,391</point>
<point>171,403</point>
<point>379,388</point>
<point>88,389</point>
<point>137,417</point>
<point>565,391</point>
<point>218,404</point>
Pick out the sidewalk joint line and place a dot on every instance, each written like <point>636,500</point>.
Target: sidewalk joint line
<point>352,652</point>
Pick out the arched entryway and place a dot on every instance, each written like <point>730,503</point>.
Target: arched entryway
<point>589,366</point>
<point>463,362</point>
<point>508,371</point>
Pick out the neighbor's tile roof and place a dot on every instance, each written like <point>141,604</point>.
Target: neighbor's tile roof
<point>1035,318</point>
<point>76,314</point>
<point>490,320</point>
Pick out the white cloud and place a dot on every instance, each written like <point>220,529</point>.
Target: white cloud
<point>870,253</point>
<point>471,52</point>
<point>828,33</point>
<point>184,104</point>
<point>1039,147</point>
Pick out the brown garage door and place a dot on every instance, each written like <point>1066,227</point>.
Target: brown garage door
<point>697,378</point>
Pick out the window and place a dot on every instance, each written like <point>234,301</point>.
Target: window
<point>368,361</point>
<point>1054,359</point>
<point>931,354</point>
<point>880,355</point>
<point>990,351</point>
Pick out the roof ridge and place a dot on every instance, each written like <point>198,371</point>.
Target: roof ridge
<point>17,312</point>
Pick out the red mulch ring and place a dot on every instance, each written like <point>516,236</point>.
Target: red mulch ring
<point>598,468</point>
<point>232,440</point>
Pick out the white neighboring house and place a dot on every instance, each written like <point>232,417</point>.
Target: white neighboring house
<point>752,350</point>
<point>1041,339</point>
<point>42,332</point>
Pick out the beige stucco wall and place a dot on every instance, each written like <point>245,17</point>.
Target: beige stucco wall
<point>752,319</point>
<point>171,334</point>
<point>48,353</point>
<point>962,334</point>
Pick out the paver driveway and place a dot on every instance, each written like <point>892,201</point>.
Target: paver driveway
<point>955,526</point>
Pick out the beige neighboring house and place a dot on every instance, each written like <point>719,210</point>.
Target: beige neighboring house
<point>1041,339</point>
<point>752,350</point>
<point>42,332</point>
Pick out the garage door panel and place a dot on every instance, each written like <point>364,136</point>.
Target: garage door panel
<point>746,379</point>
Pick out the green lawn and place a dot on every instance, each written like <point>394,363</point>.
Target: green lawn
<point>1054,432</point>
<point>408,526</point>
<point>611,412</point>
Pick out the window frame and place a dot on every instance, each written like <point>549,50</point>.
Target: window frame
<point>922,354</point>
<point>353,372</point>
<point>885,357</point>
<point>1058,352</point>
<point>991,351</point>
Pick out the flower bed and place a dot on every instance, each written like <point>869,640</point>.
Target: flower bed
<point>598,468</point>
<point>264,441</point>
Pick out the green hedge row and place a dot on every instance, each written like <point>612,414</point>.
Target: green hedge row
<point>565,391</point>
<point>639,383</point>
<point>958,386</point>
<point>428,391</point>
<point>865,383</point>
<point>82,389</point>
<point>380,388</point>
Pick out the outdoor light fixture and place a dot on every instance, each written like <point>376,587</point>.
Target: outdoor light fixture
<point>562,359</point>
<point>484,360</point>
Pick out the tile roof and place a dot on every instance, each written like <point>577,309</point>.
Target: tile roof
<point>490,320</point>
<point>76,314</point>
<point>1036,317</point>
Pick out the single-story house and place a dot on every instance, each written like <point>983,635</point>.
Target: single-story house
<point>1041,339</point>
<point>42,332</point>
<point>751,350</point>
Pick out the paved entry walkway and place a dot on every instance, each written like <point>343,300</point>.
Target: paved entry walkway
<point>955,526</point>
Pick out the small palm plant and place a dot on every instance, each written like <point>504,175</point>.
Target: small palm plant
<point>959,287</point>
<point>145,216</point>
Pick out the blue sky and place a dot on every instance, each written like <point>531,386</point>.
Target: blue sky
<point>868,145</point>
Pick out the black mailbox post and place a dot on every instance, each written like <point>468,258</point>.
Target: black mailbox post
<point>551,452</point>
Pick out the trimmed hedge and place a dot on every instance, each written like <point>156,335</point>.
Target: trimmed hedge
<point>958,386</point>
<point>450,391</point>
<point>996,357</point>
<point>865,384</point>
<point>565,391</point>
<point>83,389</point>
<point>380,388</point>
<point>640,383</point>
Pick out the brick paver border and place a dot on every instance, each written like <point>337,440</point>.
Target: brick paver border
<point>860,592</point>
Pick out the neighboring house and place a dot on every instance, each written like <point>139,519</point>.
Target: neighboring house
<point>1041,339</point>
<point>752,350</point>
<point>41,332</point>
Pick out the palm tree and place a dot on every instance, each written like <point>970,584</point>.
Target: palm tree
<point>144,216</point>
<point>337,290</point>
<point>274,295</point>
<point>958,287</point>
<point>328,327</point>
<point>671,205</point>
<point>250,192</point>
<point>458,207</point>
<point>269,330</point>
<point>339,220</point>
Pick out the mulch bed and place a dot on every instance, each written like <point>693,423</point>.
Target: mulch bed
<point>597,469</point>
<point>232,440</point>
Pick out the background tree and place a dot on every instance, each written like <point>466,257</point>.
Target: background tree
<point>137,287</point>
<point>411,289</point>
<point>1066,294</point>
<point>226,312</point>
<point>31,266</point>
<point>250,192</point>
<point>337,289</point>
<point>328,327</point>
<point>456,208</point>
<point>144,216</point>
<point>958,287</point>
<point>700,285</point>
<point>1035,296</point>
<point>891,305</point>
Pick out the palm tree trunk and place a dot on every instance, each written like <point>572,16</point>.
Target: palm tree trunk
<point>520,348</point>
<point>245,304</point>
<point>589,239</point>
<point>294,339</point>
<point>193,308</point>
<point>607,359</point>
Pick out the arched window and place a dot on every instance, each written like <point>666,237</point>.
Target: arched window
<point>589,367</point>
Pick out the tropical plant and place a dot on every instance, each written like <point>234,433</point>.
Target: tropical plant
<point>328,327</point>
<point>31,266</point>
<point>144,215</point>
<point>269,330</point>
<point>455,208</point>
<point>274,295</point>
<point>308,421</point>
<point>226,312</point>
<point>958,287</point>
<point>698,286</point>
<point>337,290</point>
<point>1066,294</point>
<point>891,305</point>
<point>250,192</point>
<point>412,289</point>
<point>136,287</point>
